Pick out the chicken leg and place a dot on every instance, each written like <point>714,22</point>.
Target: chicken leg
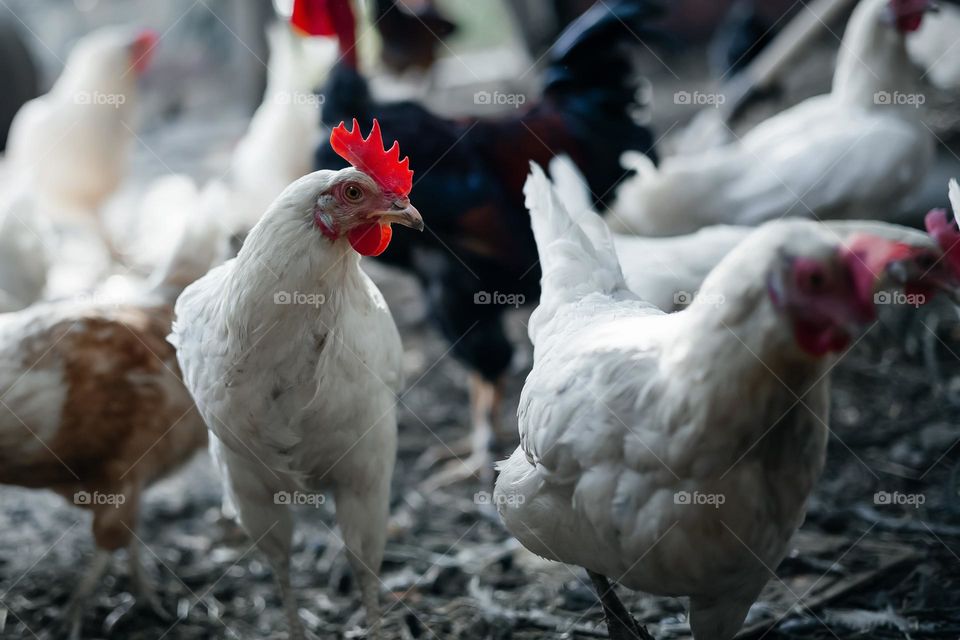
<point>73,617</point>
<point>362,516</point>
<point>620,624</point>
<point>269,524</point>
<point>486,401</point>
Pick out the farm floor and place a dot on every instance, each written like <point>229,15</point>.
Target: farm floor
<point>452,571</point>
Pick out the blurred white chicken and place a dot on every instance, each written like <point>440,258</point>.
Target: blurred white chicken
<point>69,149</point>
<point>856,152</point>
<point>23,253</point>
<point>72,144</point>
<point>294,360</point>
<point>640,458</point>
<point>279,144</point>
<point>937,47</point>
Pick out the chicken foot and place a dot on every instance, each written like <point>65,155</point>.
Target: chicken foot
<point>620,624</point>
<point>73,616</point>
<point>146,592</point>
<point>486,400</point>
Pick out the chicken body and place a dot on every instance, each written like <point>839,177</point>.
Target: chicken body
<point>639,458</point>
<point>92,406</point>
<point>23,255</point>
<point>72,144</point>
<point>295,362</point>
<point>857,151</point>
<point>933,47</point>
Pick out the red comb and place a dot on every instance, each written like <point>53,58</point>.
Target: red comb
<point>370,156</point>
<point>311,18</point>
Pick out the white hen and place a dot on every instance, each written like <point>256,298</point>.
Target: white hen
<point>854,153</point>
<point>640,459</point>
<point>72,144</point>
<point>937,47</point>
<point>294,360</point>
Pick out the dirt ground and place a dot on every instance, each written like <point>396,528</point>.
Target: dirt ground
<point>878,557</point>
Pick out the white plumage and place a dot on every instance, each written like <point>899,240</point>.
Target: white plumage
<point>71,145</point>
<point>629,411</point>
<point>669,271</point>
<point>937,47</point>
<point>279,144</point>
<point>23,253</point>
<point>294,360</point>
<point>856,152</point>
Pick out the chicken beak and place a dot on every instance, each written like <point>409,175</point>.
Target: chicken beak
<point>402,212</point>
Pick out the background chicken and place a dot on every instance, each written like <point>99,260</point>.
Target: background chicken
<point>23,254</point>
<point>71,145</point>
<point>299,395</point>
<point>92,407</point>
<point>856,152</point>
<point>628,410</point>
<point>669,271</point>
<point>479,242</point>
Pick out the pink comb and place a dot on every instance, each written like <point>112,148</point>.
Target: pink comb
<point>370,156</point>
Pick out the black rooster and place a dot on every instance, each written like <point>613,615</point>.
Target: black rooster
<point>478,256</point>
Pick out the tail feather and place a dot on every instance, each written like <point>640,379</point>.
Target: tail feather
<point>955,198</point>
<point>571,188</point>
<point>576,251</point>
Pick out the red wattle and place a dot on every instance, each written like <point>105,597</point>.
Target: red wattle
<point>370,239</point>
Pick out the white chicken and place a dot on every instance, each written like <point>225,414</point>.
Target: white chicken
<point>279,144</point>
<point>640,458</point>
<point>937,47</point>
<point>71,145</point>
<point>857,151</point>
<point>294,360</point>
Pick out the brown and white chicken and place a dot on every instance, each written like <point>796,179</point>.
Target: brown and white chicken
<point>674,453</point>
<point>295,361</point>
<point>92,406</point>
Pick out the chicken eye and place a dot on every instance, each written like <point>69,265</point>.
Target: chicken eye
<point>816,281</point>
<point>353,193</point>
